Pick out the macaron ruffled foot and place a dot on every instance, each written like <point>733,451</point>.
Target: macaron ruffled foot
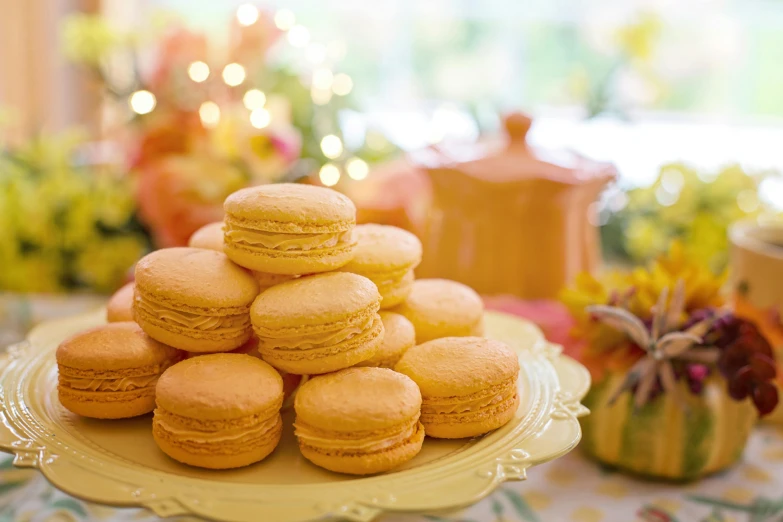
<point>219,411</point>
<point>193,299</point>
<point>110,372</point>
<point>359,421</point>
<point>468,385</point>
<point>318,324</point>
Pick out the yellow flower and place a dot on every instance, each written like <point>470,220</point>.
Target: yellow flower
<point>637,39</point>
<point>88,38</point>
<point>702,287</point>
<point>104,264</point>
<point>645,238</point>
<point>588,290</point>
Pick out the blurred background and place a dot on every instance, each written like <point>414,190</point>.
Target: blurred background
<point>123,125</point>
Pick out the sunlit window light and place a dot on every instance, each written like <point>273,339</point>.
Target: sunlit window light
<point>198,71</point>
<point>322,78</point>
<point>329,175</point>
<point>284,19</point>
<point>142,102</point>
<point>321,96</point>
<point>299,36</point>
<point>247,14</point>
<point>357,169</point>
<point>260,118</point>
<point>209,112</point>
<point>233,74</point>
<point>331,146</point>
<point>342,84</point>
<point>254,99</point>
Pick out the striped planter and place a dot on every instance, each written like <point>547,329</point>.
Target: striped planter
<point>662,439</point>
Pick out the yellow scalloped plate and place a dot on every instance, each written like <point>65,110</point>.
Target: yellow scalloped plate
<point>117,462</point>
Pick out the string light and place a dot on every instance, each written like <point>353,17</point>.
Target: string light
<point>322,79</point>
<point>260,118</point>
<point>331,146</point>
<point>316,53</point>
<point>198,71</point>
<point>342,84</point>
<point>329,175</point>
<point>298,36</point>
<point>247,14</point>
<point>321,96</point>
<point>233,74</point>
<point>284,19</point>
<point>209,112</point>
<point>142,102</point>
<point>357,169</point>
<point>254,99</point>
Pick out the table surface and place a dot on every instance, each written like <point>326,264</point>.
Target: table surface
<point>570,489</point>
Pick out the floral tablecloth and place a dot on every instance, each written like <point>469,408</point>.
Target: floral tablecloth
<point>570,489</point>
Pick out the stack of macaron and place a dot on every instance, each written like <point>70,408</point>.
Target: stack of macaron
<point>287,295</point>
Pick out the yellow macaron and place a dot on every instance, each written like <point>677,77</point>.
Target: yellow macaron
<point>318,324</point>
<point>109,372</point>
<point>120,305</point>
<point>194,299</point>
<point>219,411</point>
<point>398,337</point>
<point>386,255</point>
<point>468,385</point>
<point>209,237</point>
<point>359,421</point>
<point>289,228</point>
<point>443,308</point>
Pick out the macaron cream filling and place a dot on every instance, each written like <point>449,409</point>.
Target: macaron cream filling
<point>234,434</point>
<point>316,341</point>
<point>109,385</point>
<point>485,399</point>
<point>228,324</point>
<point>109,381</point>
<point>259,239</point>
<point>356,442</point>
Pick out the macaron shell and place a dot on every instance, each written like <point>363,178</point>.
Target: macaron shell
<point>291,262</point>
<point>225,457</point>
<point>398,337</point>
<point>367,463</point>
<point>453,427</point>
<point>393,295</point>
<point>349,353</point>
<point>196,281</point>
<point>120,305</point>
<point>383,249</point>
<point>456,366</point>
<point>107,405</point>
<point>220,386</point>
<point>322,299</point>
<point>208,237</point>
<point>113,346</point>
<point>358,399</point>
<point>185,340</point>
<point>442,308</point>
<point>291,208</point>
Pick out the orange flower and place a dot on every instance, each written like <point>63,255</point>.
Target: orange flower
<point>180,194</point>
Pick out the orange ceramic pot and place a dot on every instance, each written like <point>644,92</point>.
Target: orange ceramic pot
<point>505,220</point>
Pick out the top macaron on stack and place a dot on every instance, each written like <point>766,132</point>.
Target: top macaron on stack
<point>289,285</point>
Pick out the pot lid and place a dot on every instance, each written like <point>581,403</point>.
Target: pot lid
<point>513,159</point>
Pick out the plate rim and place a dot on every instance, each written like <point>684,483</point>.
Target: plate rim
<point>565,384</point>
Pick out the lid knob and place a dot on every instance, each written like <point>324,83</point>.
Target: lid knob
<point>517,125</point>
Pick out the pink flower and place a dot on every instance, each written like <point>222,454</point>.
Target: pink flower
<point>551,316</point>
